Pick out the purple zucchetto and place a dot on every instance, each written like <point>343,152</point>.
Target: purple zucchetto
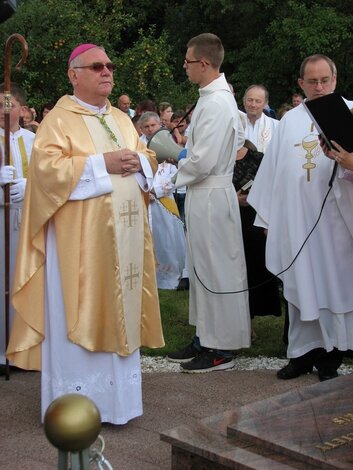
<point>80,50</point>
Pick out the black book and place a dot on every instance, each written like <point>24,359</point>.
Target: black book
<point>333,119</point>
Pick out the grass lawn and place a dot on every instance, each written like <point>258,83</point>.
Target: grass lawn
<point>178,332</point>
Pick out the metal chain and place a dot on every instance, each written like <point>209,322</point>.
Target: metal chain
<point>97,458</point>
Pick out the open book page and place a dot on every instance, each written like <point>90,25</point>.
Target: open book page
<point>332,119</point>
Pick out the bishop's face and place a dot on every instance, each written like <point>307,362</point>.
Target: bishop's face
<point>318,79</point>
<point>92,86</point>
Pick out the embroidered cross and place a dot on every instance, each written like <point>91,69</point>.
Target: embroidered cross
<point>129,212</point>
<point>131,276</point>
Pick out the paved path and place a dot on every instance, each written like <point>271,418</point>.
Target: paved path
<point>170,399</point>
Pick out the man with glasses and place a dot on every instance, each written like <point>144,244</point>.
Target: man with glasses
<point>85,287</point>
<point>215,246</point>
<point>288,194</point>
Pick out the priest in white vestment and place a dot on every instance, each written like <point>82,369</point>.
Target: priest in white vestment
<point>288,194</point>
<point>85,289</point>
<point>259,128</point>
<point>218,303</point>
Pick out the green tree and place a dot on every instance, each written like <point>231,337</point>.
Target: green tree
<point>52,29</point>
<point>265,42</point>
<point>304,28</point>
<point>144,71</point>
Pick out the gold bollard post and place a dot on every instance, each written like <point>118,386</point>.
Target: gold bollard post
<point>72,423</point>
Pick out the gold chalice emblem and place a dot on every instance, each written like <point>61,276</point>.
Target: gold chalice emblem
<point>309,143</point>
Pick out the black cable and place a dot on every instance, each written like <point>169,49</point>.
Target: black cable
<point>184,117</point>
<point>295,257</point>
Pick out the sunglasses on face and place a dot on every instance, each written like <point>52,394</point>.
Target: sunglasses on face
<point>97,67</point>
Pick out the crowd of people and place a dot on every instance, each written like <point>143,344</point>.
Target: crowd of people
<point>95,212</point>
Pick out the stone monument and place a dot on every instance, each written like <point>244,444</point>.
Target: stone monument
<point>310,428</point>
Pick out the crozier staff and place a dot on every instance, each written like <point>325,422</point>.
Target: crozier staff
<point>9,247</point>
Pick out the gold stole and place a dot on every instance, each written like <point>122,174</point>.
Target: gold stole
<point>128,211</point>
<point>23,153</point>
<point>170,205</point>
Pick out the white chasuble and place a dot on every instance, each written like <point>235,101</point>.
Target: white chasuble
<point>288,194</point>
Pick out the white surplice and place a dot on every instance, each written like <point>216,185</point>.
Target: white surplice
<point>213,223</point>
<point>288,194</point>
<point>15,220</point>
<point>261,133</point>
<point>112,382</point>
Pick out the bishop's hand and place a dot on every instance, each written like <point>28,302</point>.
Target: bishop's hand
<point>123,162</point>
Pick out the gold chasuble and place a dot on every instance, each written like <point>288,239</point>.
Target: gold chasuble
<point>104,244</point>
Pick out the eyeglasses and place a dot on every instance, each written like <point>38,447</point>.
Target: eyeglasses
<point>187,61</point>
<point>97,67</point>
<point>314,82</point>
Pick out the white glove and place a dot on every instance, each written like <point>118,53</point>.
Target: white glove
<point>17,190</point>
<point>6,174</point>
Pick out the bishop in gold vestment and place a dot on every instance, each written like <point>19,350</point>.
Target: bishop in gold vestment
<point>85,287</point>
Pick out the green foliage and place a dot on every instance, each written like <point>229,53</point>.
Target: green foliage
<point>143,70</point>
<point>52,29</point>
<point>265,42</point>
<point>304,28</point>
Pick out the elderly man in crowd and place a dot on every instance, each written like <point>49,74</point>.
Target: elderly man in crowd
<point>124,104</point>
<point>259,128</point>
<point>149,123</point>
